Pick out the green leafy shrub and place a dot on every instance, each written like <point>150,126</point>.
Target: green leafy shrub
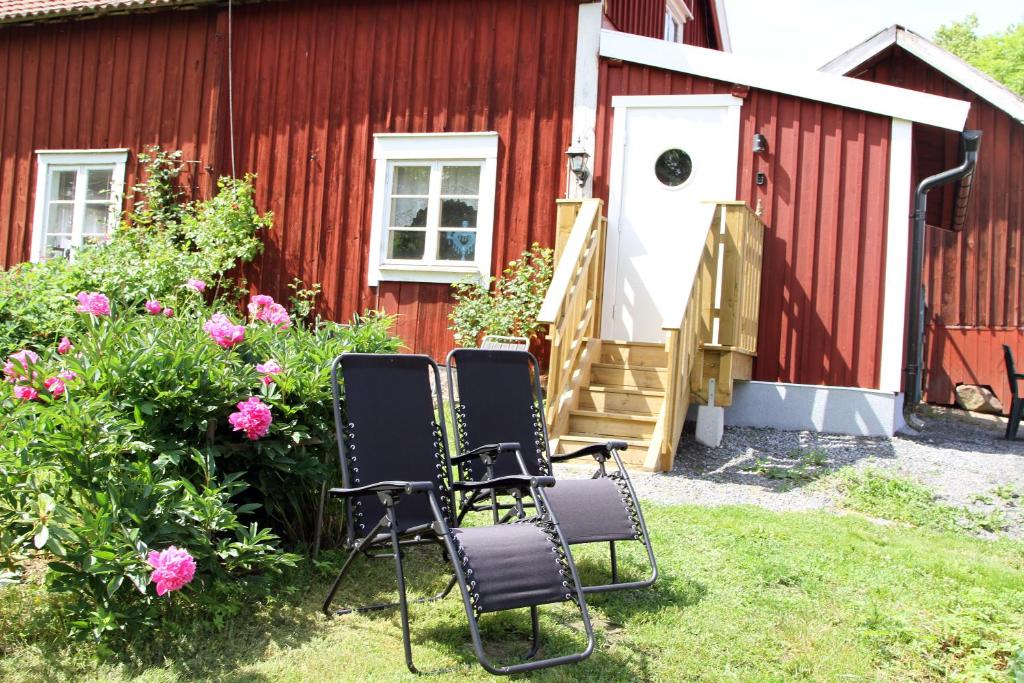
<point>135,438</point>
<point>511,308</point>
<point>147,257</point>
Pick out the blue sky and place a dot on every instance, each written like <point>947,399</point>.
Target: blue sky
<point>811,32</point>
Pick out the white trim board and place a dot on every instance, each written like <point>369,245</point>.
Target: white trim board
<point>804,407</point>
<point>723,26</point>
<point>934,56</point>
<point>812,85</point>
<point>896,250</point>
<point>584,98</point>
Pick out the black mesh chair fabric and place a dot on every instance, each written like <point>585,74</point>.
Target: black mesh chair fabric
<point>496,398</point>
<point>392,432</point>
<point>513,565</point>
<point>590,510</point>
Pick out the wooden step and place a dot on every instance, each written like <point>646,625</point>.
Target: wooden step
<point>635,455</point>
<point>618,425</point>
<point>636,354</point>
<point>621,400</point>
<point>608,374</point>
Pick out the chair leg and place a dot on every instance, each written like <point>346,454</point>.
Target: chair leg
<point>535,624</point>
<point>1016,408</point>
<point>615,561</point>
<point>403,605</point>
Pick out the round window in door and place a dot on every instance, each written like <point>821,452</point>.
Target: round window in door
<point>673,167</point>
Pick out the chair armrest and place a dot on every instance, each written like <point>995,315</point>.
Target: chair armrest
<point>390,486</point>
<point>600,451</point>
<point>512,481</point>
<point>488,450</point>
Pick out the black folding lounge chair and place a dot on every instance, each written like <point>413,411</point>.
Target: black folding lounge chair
<point>497,392</point>
<point>1016,400</point>
<point>398,489</point>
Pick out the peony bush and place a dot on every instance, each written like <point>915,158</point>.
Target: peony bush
<point>160,451</point>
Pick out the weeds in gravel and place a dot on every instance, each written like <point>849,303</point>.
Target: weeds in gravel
<point>887,496</point>
<point>799,466</point>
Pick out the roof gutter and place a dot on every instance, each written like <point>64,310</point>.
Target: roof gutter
<point>970,141</point>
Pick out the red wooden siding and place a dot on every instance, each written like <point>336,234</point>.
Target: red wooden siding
<point>641,17</point>
<point>825,208</point>
<point>62,87</point>
<point>315,81</point>
<point>702,30</point>
<point>647,18</point>
<point>974,278</point>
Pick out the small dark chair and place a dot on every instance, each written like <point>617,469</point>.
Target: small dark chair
<point>497,392</point>
<point>398,488</point>
<point>1017,401</point>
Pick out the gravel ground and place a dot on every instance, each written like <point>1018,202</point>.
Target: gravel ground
<point>961,456</point>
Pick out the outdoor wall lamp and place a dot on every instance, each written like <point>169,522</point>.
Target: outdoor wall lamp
<point>760,143</point>
<point>578,162</point>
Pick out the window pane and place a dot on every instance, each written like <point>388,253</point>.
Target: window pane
<point>409,213</point>
<point>97,216</point>
<point>460,180</point>
<point>57,246</point>
<point>459,213</point>
<point>98,185</point>
<point>411,180</point>
<point>456,246</point>
<point>63,185</point>
<point>405,244</point>
<point>60,217</point>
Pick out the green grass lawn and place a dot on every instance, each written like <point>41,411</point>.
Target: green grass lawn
<point>744,594</point>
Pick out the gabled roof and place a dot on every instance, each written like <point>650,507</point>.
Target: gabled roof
<point>939,59</point>
<point>887,100</point>
<point>15,11</point>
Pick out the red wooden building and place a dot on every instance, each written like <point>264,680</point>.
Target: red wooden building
<point>975,262</point>
<point>404,144</point>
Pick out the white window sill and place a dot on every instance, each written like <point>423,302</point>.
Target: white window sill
<point>420,273</point>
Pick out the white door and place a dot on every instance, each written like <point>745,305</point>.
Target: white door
<point>670,157</point>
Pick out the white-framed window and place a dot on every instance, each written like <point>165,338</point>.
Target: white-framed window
<point>78,199</point>
<point>433,206</point>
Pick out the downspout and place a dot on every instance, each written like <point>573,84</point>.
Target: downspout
<point>970,141</point>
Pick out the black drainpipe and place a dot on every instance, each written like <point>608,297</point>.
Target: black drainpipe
<point>970,141</point>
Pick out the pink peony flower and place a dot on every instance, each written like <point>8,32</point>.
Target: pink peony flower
<point>17,366</point>
<point>93,303</point>
<point>263,307</point>
<point>168,312</point>
<point>64,346</point>
<point>197,285</point>
<point>253,417</point>
<point>25,392</point>
<point>268,370</point>
<point>68,375</point>
<point>223,331</point>
<point>153,307</point>
<point>55,385</point>
<point>172,569</point>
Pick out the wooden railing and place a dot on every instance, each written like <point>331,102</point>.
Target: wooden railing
<point>572,307</point>
<point>719,313</point>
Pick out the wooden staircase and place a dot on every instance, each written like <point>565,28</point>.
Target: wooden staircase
<point>639,392</point>
<point>621,400</point>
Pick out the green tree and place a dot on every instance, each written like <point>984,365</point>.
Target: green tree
<point>1001,54</point>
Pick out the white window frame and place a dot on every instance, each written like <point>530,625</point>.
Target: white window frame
<point>678,13</point>
<point>391,149</point>
<point>81,160</point>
